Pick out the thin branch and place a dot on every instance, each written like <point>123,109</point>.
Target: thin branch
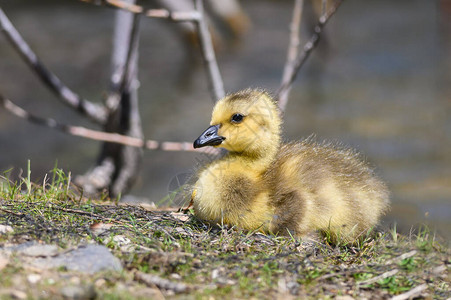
<point>100,135</point>
<point>123,71</point>
<point>323,7</point>
<point>214,76</point>
<point>379,277</point>
<point>11,212</point>
<point>176,16</point>
<point>208,54</point>
<point>94,111</point>
<point>131,7</point>
<point>401,257</point>
<point>412,293</point>
<point>308,48</point>
<point>293,50</point>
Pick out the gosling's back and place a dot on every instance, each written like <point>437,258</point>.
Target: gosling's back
<point>325,187</point>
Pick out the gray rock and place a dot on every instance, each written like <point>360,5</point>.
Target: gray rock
<point>31,248</point>
<point>86,259</point>
<point>36,250</point>
<point>10,248</point>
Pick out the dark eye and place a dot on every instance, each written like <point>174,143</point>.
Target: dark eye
<point>237,118</point>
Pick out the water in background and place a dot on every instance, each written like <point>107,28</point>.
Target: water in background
<point>379,83</point>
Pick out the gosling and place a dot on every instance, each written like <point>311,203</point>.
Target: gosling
<point>289,189</point>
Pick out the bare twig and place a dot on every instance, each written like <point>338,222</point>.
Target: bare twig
<point>308,47</point>
<point>11,212</point>
<point>205,41</point>
<point>206,45</point>
<point>123,73</point>
<point>412,293</point>
<point>94,111</point>
<point>153,280</point>
<point>176,16</point>
<point>100,135</point>
<point>208,54</point>
<point>118,165</point>
<point>293,50</point>
<point>401,257</point>
<point>90,214</point>
<point>377,278</point>
<point>131,7</point>
<point>77,211</point>
<point>323,7</point>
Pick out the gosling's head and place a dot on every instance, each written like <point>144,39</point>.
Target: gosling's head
<point>246,122</point>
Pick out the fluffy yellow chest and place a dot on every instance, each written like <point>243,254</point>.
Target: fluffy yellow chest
<point>231,193</point>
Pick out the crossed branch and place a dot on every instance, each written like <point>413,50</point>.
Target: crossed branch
<point>98,113</point>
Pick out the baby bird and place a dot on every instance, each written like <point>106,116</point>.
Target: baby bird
<point>295,188</point>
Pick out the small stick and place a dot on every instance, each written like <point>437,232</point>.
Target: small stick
<point>198,16</point>
<point>323,7</point>
<point>131,7</point>
<point>92,215</point>
<point>92,110</point>
<point>208,54</point>
<point>82,212</point>
<point>77,211</point>
<point>123,73</point>
<point>293,50</point>
<point>12,212</point>
<point>176,16</point>
<point>401,257</point>
<point>160,13</point>
<point>308,48</point>
<point>412,293</point>
<point>377,278</point>
<point>100,135</point>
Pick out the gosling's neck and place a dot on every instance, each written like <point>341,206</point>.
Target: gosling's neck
<point>257,157</point>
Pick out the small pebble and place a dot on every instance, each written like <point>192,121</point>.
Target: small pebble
<point>121,240</point>
<point>100,228</point>
<point>75,280</point>
<point>215,274</point>
<point>78,292</point>
<point>34,278</point>
<point>175,276</point>
<point>5,229</point>
<point>99,282</point>
<point>197,262</point>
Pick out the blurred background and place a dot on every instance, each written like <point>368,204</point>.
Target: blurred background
<point>379,82</point>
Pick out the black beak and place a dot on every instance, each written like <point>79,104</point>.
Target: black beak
<point>209,137</point>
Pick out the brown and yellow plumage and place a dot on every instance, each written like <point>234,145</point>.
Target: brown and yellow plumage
<point>297,187</point>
